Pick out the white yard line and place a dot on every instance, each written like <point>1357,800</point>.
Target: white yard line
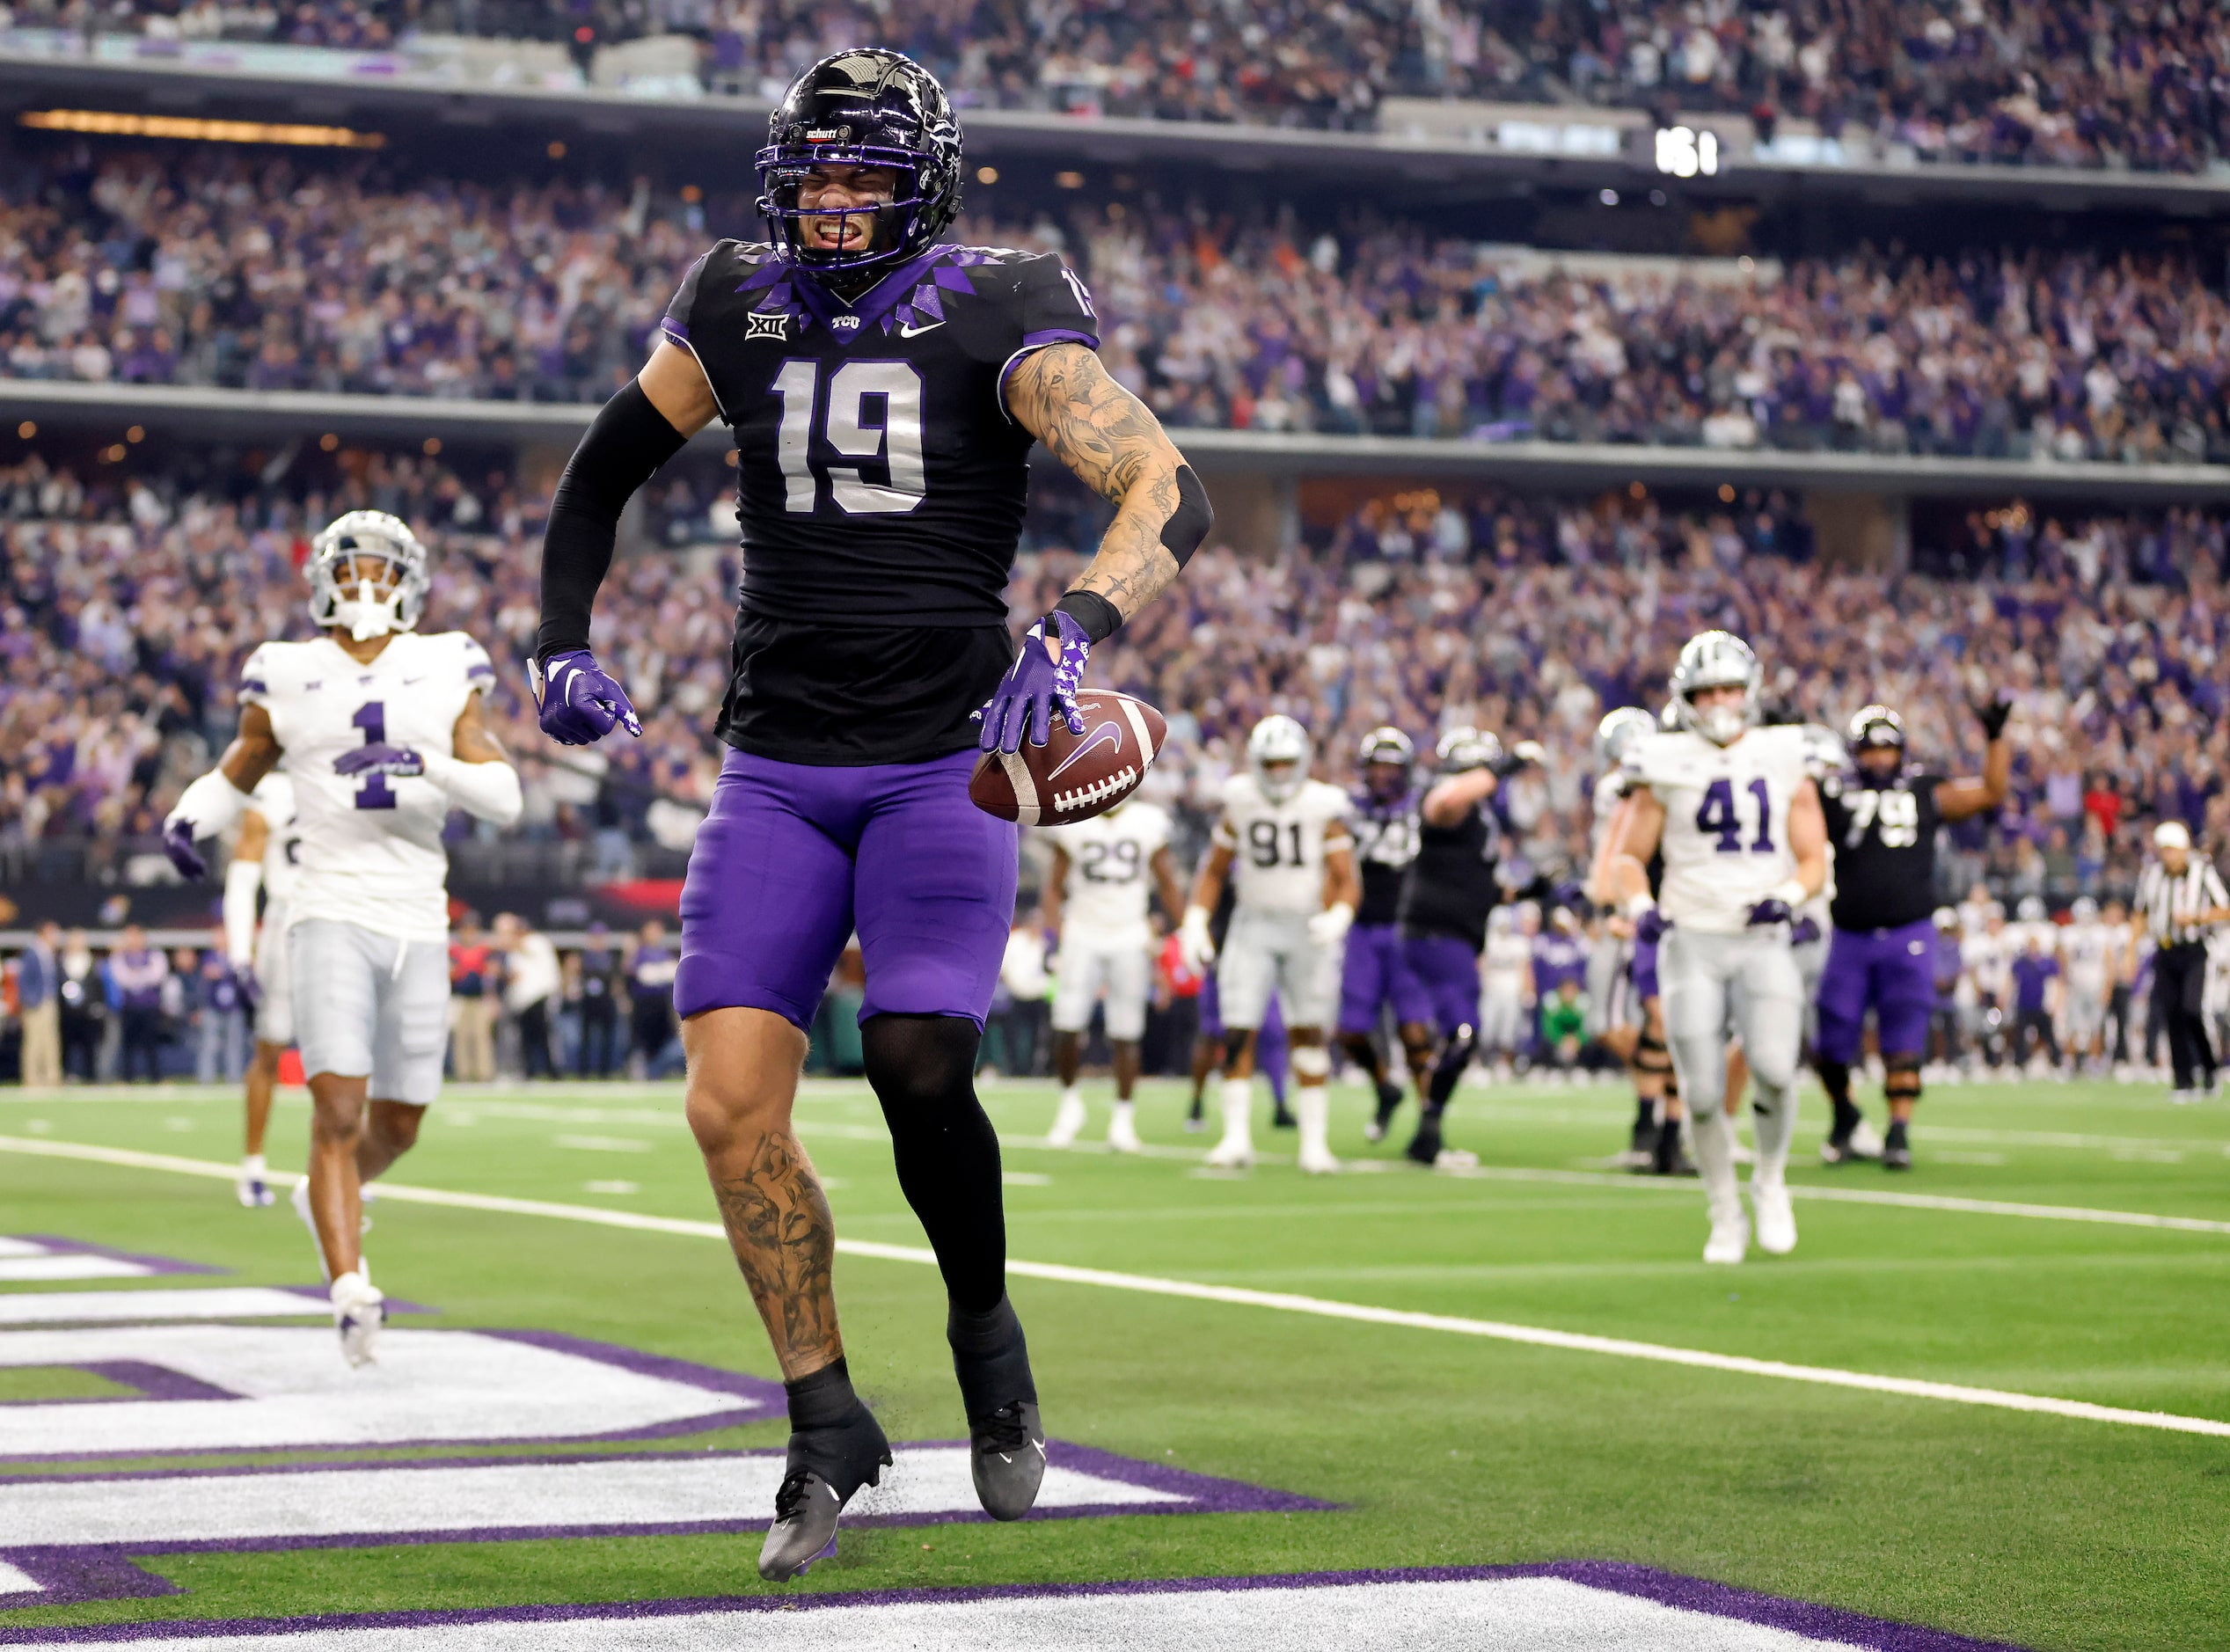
<point>1235,1295</point>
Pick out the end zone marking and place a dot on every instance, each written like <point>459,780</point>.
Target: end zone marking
<point>1235,1295</point>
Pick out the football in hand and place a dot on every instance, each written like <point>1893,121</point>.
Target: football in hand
<point>1073,776</point>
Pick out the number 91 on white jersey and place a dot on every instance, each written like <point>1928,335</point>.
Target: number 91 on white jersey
<point>1277,848</point>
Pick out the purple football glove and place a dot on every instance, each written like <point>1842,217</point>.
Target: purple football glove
<point>379,757</point>
<point>1770,911</point>
<point>1037,685</point>
<point>580,703</point>
<point>178,844</point>
<point>1650,927</point>
<point>251,990</point>
<point>1803,932</point>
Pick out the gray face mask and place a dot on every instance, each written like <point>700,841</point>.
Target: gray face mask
<point>1721,723</point>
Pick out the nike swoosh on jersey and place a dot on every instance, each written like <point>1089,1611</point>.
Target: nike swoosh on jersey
<point>1112,731</point>
<point>907,329</point>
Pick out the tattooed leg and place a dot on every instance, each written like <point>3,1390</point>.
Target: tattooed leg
<point>743,1066</point>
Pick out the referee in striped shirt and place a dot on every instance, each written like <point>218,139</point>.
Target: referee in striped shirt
<point>2179,897</point>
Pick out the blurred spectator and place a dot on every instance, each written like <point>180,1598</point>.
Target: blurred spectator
<point>597,968</point>
<point>532,980</point>
<point>1020,1006</point>
<point>85,1008</point>
<point>39,1005</point>
<point>136,974</point>
<point>474,969</point>
<point>221,1042</point>
<point>651,964</point>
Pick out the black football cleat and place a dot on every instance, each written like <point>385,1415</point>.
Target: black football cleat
<point>1006,1440</point>
<point>1006,1457</point>
<point>826,1466</point>
<point>1424,1146</point>
<point>1836,1149</point>
<point>1896,1156</point>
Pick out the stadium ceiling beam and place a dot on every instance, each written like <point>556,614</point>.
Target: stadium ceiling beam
<point>198,415</point>
<point>35,80</point>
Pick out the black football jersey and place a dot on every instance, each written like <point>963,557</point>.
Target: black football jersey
<point>881,485</point>
<point>1884,839</point>
<point>1451,887</point>
<point>1386,842</point>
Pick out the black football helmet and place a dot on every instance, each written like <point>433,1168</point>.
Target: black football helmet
<point>863,107</point>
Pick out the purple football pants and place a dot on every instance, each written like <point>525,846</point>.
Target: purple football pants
<point>1447,970</point>
<point>1376,971</point>
<point>1890,971</point>
<point>793,858</point>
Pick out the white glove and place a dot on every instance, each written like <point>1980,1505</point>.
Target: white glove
<point>1194,941</point>
<point>1328,927</point>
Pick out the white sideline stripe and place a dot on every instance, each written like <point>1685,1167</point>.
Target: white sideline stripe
<point>1234,1295</point>
<point>187,1303</point>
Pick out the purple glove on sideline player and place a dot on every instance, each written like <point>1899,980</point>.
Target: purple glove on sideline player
<point>1803,932</point>
<point>1036,685</point>
<point>1770,911</point>
<point>1650,927</point>
<point>379,757</point>
<point>178,844</point>
<point>579,703</point>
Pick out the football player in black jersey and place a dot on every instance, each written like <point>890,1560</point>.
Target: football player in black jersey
<point>1375,974</point>
<point>1882,821</point>
<point>1445,901</point>
<point>882,392</point>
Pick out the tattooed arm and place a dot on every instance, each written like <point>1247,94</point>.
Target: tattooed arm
<point>1063,397</point>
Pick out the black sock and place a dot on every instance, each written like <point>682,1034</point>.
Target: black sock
<point>822,1399</point>
<point>991,1358</point>
<point>922,1068</point>
<point>1453,1060</point>
<point>1645,1112</point>
<point>1665,1155</point>
<point>1896,1137</point>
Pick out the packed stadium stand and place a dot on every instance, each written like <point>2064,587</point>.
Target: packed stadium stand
<point>1990,81</point>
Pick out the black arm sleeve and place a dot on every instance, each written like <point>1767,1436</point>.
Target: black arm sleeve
<point>627,442</point>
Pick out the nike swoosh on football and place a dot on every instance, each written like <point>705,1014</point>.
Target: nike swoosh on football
<point>1113,731</point>
<point>907,329</point>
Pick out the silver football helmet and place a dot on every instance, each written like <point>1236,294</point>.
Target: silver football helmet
<point>1823,752</point>
<point>341,593</point>
<point>1617,733</point>
<point>1464,748</point>
<point>1278,738</point>
<point>2085,910</point>
<point>1710,660</point>
<point>1877,725</point>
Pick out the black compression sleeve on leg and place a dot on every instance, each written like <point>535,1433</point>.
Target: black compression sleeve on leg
<point>1453,1060</point>
<point>922,1071</point>
<point>626,444</point>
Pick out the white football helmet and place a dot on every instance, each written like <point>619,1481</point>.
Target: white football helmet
<point>1616,735</point>
<point>2085,910</point>
<point>1823,751</point>
<point>1464,748</point>
<point>1278,738</point>
<point>336,599</point>
<point>1710,660</point>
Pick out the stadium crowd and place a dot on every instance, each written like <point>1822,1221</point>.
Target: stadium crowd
<point>2051,81</point>
<point>274,275</point>
<point>124,614</point>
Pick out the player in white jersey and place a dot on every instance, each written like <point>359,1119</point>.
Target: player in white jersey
<point>1284,842</point>
<point>382,733</point>
<point>264,859</point>
<point>2090,959</point>
<point>1737,819</point>
<point>1506,984</point>
<point>1635,1025</point>
<point>1096,895</point>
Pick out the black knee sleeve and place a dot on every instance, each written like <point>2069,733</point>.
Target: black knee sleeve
<point>1364,1050</point>
<point>1650,1056</point>
<point>922,1071</point>
<point>1901,1079</point>
<point>1235,1045</point>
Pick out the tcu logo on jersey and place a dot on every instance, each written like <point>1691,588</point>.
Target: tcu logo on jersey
<point>844,324</point>
<point>763,325</point>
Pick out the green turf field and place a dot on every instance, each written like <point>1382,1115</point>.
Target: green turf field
<point>1441,1447</point>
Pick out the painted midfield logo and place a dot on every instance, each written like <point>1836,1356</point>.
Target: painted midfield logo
<point>763,325</point>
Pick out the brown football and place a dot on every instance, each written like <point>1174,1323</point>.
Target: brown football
<point>1073,776</point>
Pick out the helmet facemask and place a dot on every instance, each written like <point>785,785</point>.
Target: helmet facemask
<point>367,575</point>
<point>1277,755</point>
